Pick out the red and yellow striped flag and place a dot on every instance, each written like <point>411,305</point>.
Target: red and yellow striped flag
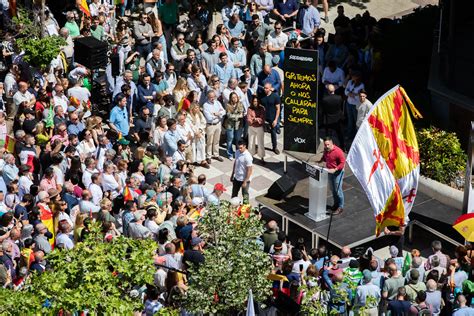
<point>9,144</point>
<point>84,7</point>
<point>127,195</point>
<point>385,158</point>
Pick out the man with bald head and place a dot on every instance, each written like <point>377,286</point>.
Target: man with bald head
<point>23,95</point>
<point>271,76</point>
<point>270,235</point>
<point>272,104</point>
<point>464,309</point>
<point>346,257</point>
<point>331,112</point>
<point>395,281</point>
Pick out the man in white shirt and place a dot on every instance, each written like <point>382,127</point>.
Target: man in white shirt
<point>180,154</point>
<point>64,238</point>
<point>23,95</point>
<point>232,86</point>
<point>277,40</point>
<point>186,134</point>
<point>90,170</point>
<point>79,92</point>
<point>96,189</point>
<point>242,171</point>
<point>333,75</point>
<point>363,108</point>
<point>85,205</point>
<point>11,87</point>
<point>59,98</point>
<point>213,112</point>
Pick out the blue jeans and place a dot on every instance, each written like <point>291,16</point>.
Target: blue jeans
<point>335,179</point>
<point>351,110</point>
<point>273,132</point>
<point>233,137</point>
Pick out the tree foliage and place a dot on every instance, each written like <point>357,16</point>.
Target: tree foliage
<point>441,156</point>
<point>39,52</point>
<point>234,264</point>
<point>96,276</point>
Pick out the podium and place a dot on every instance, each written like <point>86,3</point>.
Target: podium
<point>318,182</point>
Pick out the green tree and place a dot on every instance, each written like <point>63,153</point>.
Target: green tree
<point>39,52</point>
<point>234,263</point>
<point>96,276</point>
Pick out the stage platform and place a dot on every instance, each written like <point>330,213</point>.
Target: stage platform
<point>356,225</point>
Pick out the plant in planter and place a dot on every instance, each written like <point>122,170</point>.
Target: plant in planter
<point>234,263</point>
<point>441,156</point>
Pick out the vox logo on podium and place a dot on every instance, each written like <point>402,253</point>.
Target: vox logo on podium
<point>300,140</point>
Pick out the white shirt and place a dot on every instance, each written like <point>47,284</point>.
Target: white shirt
<point>88,207</point>
<point>59,175</point>
<point>80,93</point>
<point>65,240</point>
<point>183,132</point>
<point>62,101</point>
<point>152,226</point>
<point>226,95</point>
<point>10,84</point>
<point>277,41</point>
<point>197,85</point>
<point>241,164</point>
<point>86,177</point>
<point>177,156</point>
<point>362,111</point>
<point>97,193</point>
<point>351,88</point>
<point>24,184</point>
<point>19,97</point>
<point>336,77</point>
<point>109,183</point>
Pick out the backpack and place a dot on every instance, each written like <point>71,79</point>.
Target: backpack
<point>423,311</point>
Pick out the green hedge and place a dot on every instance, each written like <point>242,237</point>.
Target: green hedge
<point>441,156</point>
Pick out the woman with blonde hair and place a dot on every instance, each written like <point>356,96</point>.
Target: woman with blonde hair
<point>41,135</point>
<point>94,124</point>
<point>181,90</point>
<point>198,123</point>
<point>233,123</point>
<point>139,153</point>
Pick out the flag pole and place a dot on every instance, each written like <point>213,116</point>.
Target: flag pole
<point>329,228</point>
<point>326,258</point>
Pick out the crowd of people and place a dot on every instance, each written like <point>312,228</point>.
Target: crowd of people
<point>185,86</point>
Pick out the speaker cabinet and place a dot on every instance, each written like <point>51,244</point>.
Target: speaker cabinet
<point>281,188</point>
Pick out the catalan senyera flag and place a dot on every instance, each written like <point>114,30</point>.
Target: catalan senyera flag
<point>384,157</point>
<point>84,7</point>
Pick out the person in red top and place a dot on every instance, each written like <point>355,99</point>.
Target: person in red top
<point>335,161</point>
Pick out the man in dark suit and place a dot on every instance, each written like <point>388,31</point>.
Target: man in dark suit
<point>331,112</point>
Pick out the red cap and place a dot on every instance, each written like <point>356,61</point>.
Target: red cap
<point>219,187</point>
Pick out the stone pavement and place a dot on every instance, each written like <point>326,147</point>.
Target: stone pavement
<point>264,176</point>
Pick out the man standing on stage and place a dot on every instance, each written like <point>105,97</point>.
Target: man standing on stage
<point>335,161</point>
<point>242,171</point>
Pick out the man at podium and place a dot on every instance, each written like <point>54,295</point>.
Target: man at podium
<point>335,160</point>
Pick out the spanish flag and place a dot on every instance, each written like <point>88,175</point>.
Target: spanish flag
<point>127,195</point>
<point>384,157</point>
<point>82,4</point>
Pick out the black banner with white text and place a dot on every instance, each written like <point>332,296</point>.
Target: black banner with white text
<point>300,100</point>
